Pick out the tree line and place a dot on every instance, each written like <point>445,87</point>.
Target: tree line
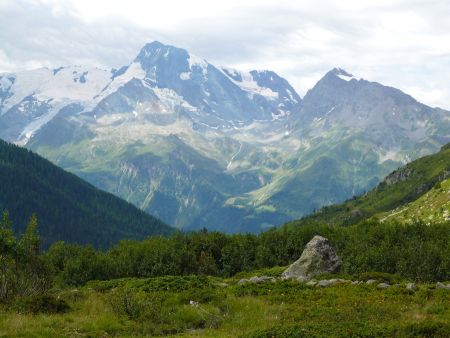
<point>414,251</point>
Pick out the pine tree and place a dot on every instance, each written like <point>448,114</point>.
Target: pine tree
<point>7,238</point>
<point>30,241</point>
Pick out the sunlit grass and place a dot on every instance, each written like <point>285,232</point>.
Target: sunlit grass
<point>234,311</point>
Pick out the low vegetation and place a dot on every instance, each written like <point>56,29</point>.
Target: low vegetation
<point>196,306</point>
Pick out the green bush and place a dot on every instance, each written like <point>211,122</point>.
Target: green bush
<point>136,305</point>
<point>41,304</point>
<point>428,329</point>
<point>380,276</point>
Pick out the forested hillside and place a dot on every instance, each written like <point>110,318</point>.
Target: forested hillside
<point>67,207</point>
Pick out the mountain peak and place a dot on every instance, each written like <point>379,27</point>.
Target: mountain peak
<point>156,53</point>
<point>342,74</point>
<point>154,49</point>
<point>340,71</point>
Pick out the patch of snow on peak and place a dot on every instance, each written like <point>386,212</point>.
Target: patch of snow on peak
<point>343,75</point>
<point>196,61</point>
<point>36,124</point>
<point>232,73</point>
<point>134,71</point>
<point>247,83</point>
<point>185,75</point>
<point>75,83</point>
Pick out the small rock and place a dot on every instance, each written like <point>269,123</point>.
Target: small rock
<point>311,283</point>
<point>383,286</point>
<point>193,303</point>
<point>324,283</point>
<point>256,280</point>
<point>221,284</point>
<point>440,285</point>
<point>243,281</point>
<point>262,279</point>
<point>371,281</point>
<point>411,286</point>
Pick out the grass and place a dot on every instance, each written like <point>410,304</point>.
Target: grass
<point>162,307</point>
<point>432,207</point>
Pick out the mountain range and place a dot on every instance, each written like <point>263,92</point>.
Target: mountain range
<point>199,145</point>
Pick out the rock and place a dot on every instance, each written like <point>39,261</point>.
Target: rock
<point>324,283</point>
<point>193,303</point>
<point>221,284</point>
<point>257,280</point>
<point>311,283</point>
<point>243,281</point>
<point>411,286</point>
<point>440,285</point>
<point>318,257</point>
<point>371,281</point>
<point>383,286</point>
<point>262,279</point>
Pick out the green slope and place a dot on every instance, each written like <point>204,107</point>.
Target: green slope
<point>432,207</point>
<point>67,207</point>
<point>401,187</point>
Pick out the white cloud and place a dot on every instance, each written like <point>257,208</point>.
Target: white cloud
<point>405,44</point>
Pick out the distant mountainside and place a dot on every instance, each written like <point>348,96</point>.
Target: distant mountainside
<point>67,207</point>
<point>417,191</point>
<point>204,146</point>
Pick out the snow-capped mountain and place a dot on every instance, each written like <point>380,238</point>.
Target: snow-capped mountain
<point>30,99</point>
<point>205,146</point>
<point>168,76</point>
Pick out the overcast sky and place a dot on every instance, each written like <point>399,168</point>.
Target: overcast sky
<point>401,43</point>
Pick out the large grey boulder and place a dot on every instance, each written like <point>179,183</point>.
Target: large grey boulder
<point>317,258</point>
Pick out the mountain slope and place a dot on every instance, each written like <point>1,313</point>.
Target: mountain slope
<point>412,183</point>
<point>67,207</point>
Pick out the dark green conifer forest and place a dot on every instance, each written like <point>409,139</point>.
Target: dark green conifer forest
<point>67,207</point>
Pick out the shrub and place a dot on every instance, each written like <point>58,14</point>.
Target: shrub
<point>41,304</point>
<point>428,329</point>
<point>380,276</point>
<point>136,305</point>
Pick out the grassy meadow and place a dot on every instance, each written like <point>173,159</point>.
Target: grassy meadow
<point>196,306</point>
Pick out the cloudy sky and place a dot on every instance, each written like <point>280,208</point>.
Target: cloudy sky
<point>401,43</point>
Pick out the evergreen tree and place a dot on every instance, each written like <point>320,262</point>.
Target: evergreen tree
<point>7,238</point>
<point>30,241</point>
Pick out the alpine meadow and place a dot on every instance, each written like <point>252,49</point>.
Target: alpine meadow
<point>206,169</point>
